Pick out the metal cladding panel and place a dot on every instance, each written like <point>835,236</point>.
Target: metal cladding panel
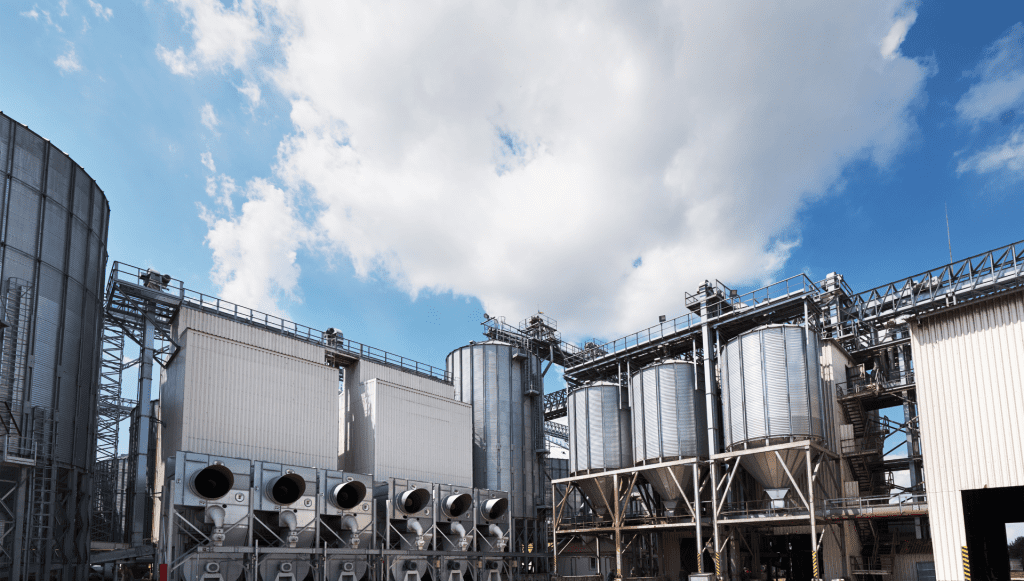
<point>220,326</point>
<point>772,385</point>
<point>493,377</point>
<point>833,362</point>
<point>421,436</point>
<point>599,432</point>
<point>235,399</point>
<point>969,368</point>
<point>39,183</point>
<point>364,370</point>
<point>675,418</point>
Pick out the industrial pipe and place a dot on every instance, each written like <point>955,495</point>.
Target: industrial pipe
<point>413,501</point>
<point>286,489</point>
<point>216,514</point>
<point>460,530</point>
<point>456,505</point>
<point>287,519</point>
<point>348,495</point>
<point>494,508</point>
<point>350,524</point>
<point>212,482</point>
<point>415,526</point>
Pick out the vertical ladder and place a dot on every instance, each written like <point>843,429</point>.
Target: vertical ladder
<point>42,495</point>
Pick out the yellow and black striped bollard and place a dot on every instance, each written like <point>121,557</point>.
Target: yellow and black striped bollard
<point>967,563</point>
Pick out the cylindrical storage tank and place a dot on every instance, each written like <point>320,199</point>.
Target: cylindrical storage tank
<point>669,413</point>
<point>771,393</point>
<point>771,387</point>
<point>506,389</point>
<point>54,253</point>
<point>52,258</point>
<point>669,420</point>
<point>599,434</point>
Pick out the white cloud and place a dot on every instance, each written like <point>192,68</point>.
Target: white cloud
<point>223,35</point>
<point>68,62</point>
<point>208,117</point>
<point>254,253</point>
<point>891,43</point>
<point>1000,85</point>
<point>529,154</point>
<point>63,7</point>
<point>100,10</point>
<point>221,188</point>
<point>1008,155</point>
<point>176,61</point>
<point>251,91</point>
<point>33,14</point>
<point>207,159</point>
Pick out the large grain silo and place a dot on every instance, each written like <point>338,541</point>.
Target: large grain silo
<point>504,385</point>
<point>669,423</point>
<point>53,246</point>
<point>771,393</point>
<point>599,439</point>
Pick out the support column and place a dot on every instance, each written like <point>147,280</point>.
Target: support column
<point>709,381</point>
<point>814,519</point>
<point>696,517</point>
<point>139,494</point>
<point>617,523</point>
<point>714,518</point>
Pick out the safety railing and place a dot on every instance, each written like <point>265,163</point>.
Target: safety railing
<point>279,325</point>
<point>18,450</point>
<point>876,382</point>
<point>668,328</point>
<point>901,504</point>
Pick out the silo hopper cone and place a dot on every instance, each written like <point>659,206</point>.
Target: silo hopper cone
<point>599,491</point>
<point>664,480</point>
<point>768,470</point>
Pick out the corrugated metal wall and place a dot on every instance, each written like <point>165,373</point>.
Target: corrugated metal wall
<point>834,361</point>
<point>240,332</point>
<point>969,365</point>
<point>394,431</point>
<point>363,371</point>
<point>235,398</point>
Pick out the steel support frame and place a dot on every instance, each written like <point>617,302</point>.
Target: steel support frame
<point>821,465</point>
<point>625,484</point>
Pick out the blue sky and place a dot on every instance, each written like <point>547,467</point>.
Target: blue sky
<point>395,173</point>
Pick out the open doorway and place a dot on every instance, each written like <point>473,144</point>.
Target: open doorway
<point>1015,548</point>
<point>991,516</point>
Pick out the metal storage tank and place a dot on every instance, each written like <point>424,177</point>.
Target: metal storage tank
<point>669,420</point>
<point>53,252</point>
<point>506,388</point>
<point>771,393</point>
<point>599,437</point>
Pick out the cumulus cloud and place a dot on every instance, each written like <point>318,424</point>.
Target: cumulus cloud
<point>254,252</point>
<point>68,62</point>
<point>100,10</point>
<point>1008,155</point>
<point>897,34</point>
<point>1000,85</point>
<point>251,91</point>
<point>208,117</point>
<point>207,160</point>
<point>533,153</point>
<point>176,61</point>
<point>223,34</point>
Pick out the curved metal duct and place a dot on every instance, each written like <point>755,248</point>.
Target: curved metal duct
<point>212,482</point>
<point>413,501</point>
<point>456,505</point>
<point>286,489</point>
<point>494,508</point>
<point>348,495</point>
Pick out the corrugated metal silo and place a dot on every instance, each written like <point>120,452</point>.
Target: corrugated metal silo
<point>771,393</point>
<point>599,438</point>
<point>505,386</point>
<point>669,423</point>
<point>53,246</point>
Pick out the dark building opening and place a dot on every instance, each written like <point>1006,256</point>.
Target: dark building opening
<point>986,512</point>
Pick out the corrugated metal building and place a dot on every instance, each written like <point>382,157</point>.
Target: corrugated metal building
<point>240,391</point>
<point>390,430</point>
<point>970,376</point>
